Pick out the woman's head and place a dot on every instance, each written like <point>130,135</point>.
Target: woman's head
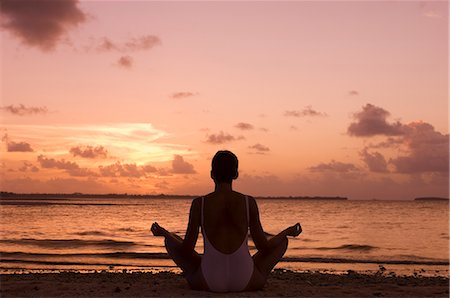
<point>224,167</point>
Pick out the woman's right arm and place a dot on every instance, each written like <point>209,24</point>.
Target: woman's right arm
<point>257,232</point>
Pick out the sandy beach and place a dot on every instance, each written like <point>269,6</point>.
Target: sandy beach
<point>281,283</point>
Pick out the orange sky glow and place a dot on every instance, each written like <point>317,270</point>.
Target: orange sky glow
<point>315,98</point>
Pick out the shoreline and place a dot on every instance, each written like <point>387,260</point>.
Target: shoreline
<point>281,282</point>
<point>154,262</point>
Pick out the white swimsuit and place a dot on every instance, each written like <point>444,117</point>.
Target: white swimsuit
<point>226,272</point>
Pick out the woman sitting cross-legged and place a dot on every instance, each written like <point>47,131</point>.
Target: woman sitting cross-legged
<point>225,217</point>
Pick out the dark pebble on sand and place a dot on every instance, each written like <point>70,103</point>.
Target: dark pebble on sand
<point>378,294</point>
<point>117,290</point>
<point>36,288</point>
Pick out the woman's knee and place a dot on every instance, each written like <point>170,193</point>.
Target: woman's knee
<point>284,243</point>
<point>282,247</point>
<point>171,244</point>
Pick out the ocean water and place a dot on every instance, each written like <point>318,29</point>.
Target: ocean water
<point>85,233</point>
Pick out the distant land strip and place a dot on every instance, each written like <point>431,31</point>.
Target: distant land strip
<point>431,199</point>
<point>12,195</point>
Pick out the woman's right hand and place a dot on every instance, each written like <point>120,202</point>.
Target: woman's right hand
<point>294,230</point>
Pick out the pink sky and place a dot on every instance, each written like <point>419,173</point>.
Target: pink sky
<point>315,98</point>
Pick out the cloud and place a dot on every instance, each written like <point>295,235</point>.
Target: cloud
<point>306,112</point>
<point>260,148</point>
<point>89,151</point>
<point>130,170</point>
<point>141,143</point>
<point>374,161</point>
<point>18,147</point>
<point>334,166</point>
<point>353,93</point>
<point>264,184</point>
<point>22,110</point>
<point>134,44</point>
<point>388,143</point>
<point>371,121</point>
<point>427,150</point>
<point>180,95</point>
<point>125,62</point>
<point>221,138</point>
<point>71,168</point>
<point>244,126</point>
<point>56,185</point>
<point>162,185</point>
<point>180,166</point>
<point>40,23</point>
<point>27,166</point>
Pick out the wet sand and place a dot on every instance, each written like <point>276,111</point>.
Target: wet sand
<point>280,283</point>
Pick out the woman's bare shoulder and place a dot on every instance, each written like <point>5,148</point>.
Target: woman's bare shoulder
<point>196,203</point>
<point>251,200</point>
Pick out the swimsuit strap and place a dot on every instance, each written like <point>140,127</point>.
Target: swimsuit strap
<point>203,199</point>
<point>248,212</point>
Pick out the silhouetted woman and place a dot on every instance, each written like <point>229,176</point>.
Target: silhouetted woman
<point>225,216</point>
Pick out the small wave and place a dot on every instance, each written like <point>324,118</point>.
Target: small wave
<point>68,243</point>
<point>69,263</point>
<point>122,255</point>
<point>307,240</point>
<point>444,236</point>
<point>349,247</point>
<point>367,261</point>
<point>91,233</point>
<point>126,230</point>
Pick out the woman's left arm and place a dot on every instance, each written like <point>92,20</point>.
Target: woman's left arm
<point>190,239</point>
<point>193,227</point>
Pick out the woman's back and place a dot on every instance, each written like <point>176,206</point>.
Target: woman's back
<point>225,220</point>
